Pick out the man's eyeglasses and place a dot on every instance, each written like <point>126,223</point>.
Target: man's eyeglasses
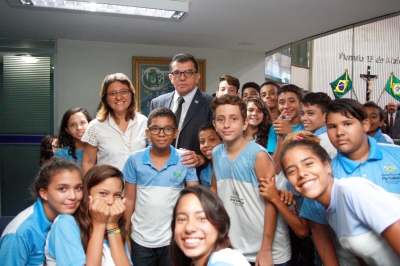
<point>166,130</point>
<point>113,94</point>
<point>187,73</point>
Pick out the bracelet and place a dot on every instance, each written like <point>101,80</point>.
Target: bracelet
<point>113,231</point>
<point>109,230</point>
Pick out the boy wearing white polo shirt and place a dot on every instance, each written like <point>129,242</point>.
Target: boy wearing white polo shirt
<point>154,177</point>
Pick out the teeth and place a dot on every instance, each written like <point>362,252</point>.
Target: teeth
<point>208,152</point>
<point>192,240</point>
<point>308,183</point>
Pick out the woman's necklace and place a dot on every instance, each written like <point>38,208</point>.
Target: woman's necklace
<point>128,143</point>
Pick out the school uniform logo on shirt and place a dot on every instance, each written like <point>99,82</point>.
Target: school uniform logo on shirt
<point>390,168</point>
<point>391,173</point>
<point>235,198</point>
<point>177,179</point>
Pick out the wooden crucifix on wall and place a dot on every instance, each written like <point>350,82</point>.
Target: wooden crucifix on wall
<point>368,79</point>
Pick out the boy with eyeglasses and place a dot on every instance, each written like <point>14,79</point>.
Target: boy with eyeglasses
<point>153,179</point>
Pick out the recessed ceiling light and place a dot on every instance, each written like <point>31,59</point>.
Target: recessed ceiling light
<point>151,8</point>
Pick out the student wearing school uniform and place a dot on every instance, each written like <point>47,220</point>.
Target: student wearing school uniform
<point>154,177</point>
<point>376,121</point>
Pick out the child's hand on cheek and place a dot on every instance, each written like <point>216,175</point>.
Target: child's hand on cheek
<point>99,211</point>
<point>116,211</point>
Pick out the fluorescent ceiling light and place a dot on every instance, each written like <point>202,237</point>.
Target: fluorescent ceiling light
<point>151,8</point>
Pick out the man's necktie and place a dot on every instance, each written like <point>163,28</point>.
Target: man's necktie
<point>179,109</point>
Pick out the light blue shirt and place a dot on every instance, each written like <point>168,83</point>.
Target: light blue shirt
<point>382,167</point>
<point>23,240</point>
<point>382,138</point>
<point>205,175</point>
<point>273,137</point>
<point>64,153</point>
<point>156,194</point>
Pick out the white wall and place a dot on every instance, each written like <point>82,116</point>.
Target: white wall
<point>81,67</point>
<point>367,44</point>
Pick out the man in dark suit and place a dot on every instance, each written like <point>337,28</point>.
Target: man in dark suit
<point>188,102</point>
<point>392,121</point>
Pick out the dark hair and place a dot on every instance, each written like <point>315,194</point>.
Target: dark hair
<point>105,108</point>
<point>231,81</point>
<point>347,107</point>
<point>216,214</point>
<point>46,148</point>
<point>183,58</point>
<point>64,138</point>
<point>251,85</point>
<point>374,105</point>
<point>292,88</point>
<point>163,112</point>
<point>278,88</point>
<point>263,128</point>
<point>303,139</point>
<point>93,177</point>
<point>50,168</point>
<point>229,99</point>
<point>320,99</point>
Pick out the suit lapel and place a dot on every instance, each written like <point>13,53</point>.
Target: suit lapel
<point>196,104</point>
<point>168,100</point>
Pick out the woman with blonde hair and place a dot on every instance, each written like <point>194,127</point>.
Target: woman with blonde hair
<point>117,130</point>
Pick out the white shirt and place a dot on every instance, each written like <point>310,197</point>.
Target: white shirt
<point>185,106</point>
<point>112,143</point>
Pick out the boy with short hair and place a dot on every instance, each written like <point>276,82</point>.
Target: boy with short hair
<point>238,167</point>
<point>376,121</point>
<point>228,85</point>
<point>358,155</point>
<point>208,139</point>
<point>269,94</point>
<point>313,116</point>
<point>154,176</point>
<point>250,90</point>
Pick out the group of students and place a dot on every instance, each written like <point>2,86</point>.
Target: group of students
<point>156,212</point>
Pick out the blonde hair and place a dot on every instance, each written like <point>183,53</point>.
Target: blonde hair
<point>105,109</point>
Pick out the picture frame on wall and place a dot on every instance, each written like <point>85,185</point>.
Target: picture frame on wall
<point>150,78</point>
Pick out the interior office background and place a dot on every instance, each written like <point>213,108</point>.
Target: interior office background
<point>74,71</point>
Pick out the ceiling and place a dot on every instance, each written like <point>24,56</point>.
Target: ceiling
<point>215,24</point>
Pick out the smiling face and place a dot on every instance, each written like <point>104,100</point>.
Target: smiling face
<point>229,122</point>
<point>76,126</point>
<point>194,234</point>
<point>208,139</point>
<point>225,88</point>
<point>250,93</point>
<point>184,85</point>
<point>269,95</point>
<point>308,175</point>
<point>312,117</point>
<point>108,190</point>
<point>289,103</point>
<point>254,115</point>
<point>347,134</point>
<point>161,141</point>
<point>374,120</point>
<point>119,103</point>
<point>63,194</point>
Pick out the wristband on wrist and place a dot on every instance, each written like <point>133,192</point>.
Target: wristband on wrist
<point>113,231</point>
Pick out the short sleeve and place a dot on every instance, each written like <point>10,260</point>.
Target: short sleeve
<point>18,246</point>
<point>129,170</point>
<point>64,242</point>
<point>313,211</point>
<point>377,211</point>
<point>191,175</point>
<point>227,257</point>
<point>91,135</point>
<point>271,146</point>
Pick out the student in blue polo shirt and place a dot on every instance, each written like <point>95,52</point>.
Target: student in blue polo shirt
<point>368,227</point>
<point>154,177</point>
<point>358,155</point>
<point>57,189</point>
<point>376,121</point>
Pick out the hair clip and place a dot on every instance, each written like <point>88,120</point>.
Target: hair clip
<point>299,138</point>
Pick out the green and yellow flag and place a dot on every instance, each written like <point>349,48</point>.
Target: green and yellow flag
<point>393,87</point>
<point>342,85</point>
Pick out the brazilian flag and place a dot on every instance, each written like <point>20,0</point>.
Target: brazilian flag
<point>342,85</point>
<point>393,87</point>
